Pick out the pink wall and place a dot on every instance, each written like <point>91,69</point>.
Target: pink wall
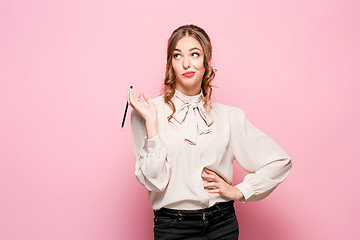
<point>67,171</point>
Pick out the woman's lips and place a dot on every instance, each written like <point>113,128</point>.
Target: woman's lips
<point>188,74</point>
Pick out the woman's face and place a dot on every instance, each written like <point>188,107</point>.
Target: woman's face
<point>188,65</point>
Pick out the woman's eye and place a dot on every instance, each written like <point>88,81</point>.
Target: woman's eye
<point>176,55</point>
<point>195,54</point>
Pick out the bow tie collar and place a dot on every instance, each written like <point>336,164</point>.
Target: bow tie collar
<point>190,111</point>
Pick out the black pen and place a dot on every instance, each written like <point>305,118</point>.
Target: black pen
<point>127,105</point>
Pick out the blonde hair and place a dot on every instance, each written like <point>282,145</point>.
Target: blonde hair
<point>170,78</point>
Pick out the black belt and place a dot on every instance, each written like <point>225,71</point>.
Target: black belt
<point>201,214</point>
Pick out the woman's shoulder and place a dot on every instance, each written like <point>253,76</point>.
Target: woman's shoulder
<point>230,113</point>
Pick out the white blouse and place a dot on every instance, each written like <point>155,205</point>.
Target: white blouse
<point>170,164</point>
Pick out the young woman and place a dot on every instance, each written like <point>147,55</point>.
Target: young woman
<point>185,145</point>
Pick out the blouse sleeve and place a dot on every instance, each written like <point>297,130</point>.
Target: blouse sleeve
<point>152,168</point>
<point>265,161</point>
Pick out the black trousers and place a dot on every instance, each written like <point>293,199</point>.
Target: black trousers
<point>218,222</point>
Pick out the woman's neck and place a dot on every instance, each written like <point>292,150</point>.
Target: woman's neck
<point>189,92</point>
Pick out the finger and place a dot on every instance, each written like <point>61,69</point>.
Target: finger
<point>217,177</point>
<point>208,177</point>
<point>137,98</point>
<point>130,99</point>
<point>130,96</point>
<point>206,174</point>
<point>147,98</point>
<point>214,191</point>
<point>211,173</point>
<point>211,185</point>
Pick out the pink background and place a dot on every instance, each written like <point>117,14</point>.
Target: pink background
<point>67,171</point>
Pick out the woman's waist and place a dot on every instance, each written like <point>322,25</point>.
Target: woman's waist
<point>217,209</point>
<point>184,200</point>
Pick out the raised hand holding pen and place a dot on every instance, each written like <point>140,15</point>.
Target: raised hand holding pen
<point>147,111</point>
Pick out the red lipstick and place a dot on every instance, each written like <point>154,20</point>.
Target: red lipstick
<point>188,74</point>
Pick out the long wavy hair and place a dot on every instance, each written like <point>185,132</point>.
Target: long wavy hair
<point>170,79</point>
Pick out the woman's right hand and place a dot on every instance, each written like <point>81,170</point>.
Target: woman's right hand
<point>147,111</point>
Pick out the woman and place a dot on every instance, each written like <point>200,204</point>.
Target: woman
<point>185,145</point>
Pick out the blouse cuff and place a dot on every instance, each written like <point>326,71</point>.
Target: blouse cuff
<point>246,189</point>
<point>152,144</point>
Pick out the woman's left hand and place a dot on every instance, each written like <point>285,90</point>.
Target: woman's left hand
<point>218,185</point>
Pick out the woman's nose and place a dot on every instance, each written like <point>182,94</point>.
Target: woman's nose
<point>186,63</point>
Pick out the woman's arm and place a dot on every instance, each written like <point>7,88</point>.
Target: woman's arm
<point>151,129</point>
<point>257,153</point>
<point>152,168</point>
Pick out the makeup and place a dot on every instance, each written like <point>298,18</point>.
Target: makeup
<point>188,74</point>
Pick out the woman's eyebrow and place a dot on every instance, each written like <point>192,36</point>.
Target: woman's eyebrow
<point>194,48</point>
